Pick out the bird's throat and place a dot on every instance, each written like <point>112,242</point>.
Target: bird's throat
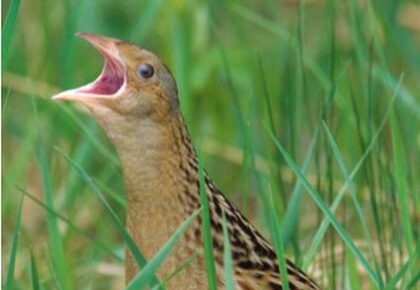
<point>160,173</point>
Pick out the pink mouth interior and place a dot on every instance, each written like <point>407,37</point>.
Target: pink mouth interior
<point>109,81</point>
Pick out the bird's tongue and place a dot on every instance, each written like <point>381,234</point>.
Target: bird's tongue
<point>109,81</point>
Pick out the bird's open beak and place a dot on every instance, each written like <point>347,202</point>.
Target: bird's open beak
<point>110,81</point>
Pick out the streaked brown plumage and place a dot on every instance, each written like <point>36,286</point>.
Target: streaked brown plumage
<point>136,102</point>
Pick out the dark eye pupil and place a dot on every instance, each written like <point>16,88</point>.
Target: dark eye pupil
<point>146,70</point>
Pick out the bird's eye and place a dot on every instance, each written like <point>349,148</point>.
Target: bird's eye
<point>146,71</point>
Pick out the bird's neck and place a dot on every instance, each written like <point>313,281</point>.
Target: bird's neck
<point>160,172</point>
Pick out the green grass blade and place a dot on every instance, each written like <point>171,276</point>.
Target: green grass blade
<point>184,264</point>
<point>89,134</point>
<point>327,212</point>
<point>353,272</point>
<point>414,282</point>
<point>180,46</point>
<point>55,240</point>
<point>324,225</point>
<point>227,257</point>
<point>135,251</point>
<point>70,224</point>
<point>412,260</point>
<point>16,170</point>
<point>292,211</point>
<point>275,228</point>
<point>11,268</point>
<point>145,276</point>
<point>348,180</point>
<point>115,196</point>
<point>285,36</point>
<point>5,98</point>
<point>34,274</point>
<point>205,217</point>
<point>8,28</point>
<point>400,171</point>
<point>149,14</point>
<point>407,98</point>
<point>248,156</point>
<point>82,155</point>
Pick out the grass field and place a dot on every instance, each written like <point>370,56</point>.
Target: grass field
<point>313,102</point>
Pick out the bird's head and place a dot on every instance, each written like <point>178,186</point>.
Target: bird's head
<point>134,83</point>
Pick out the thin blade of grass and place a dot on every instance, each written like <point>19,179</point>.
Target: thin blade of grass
<point>400,176</point>
<point>180,45</point>
<point>11,268</point>
<point>118,198</point>
<point>275,155</point>
<point>5,98</point>
<point>179,269</point>
<point>324,225</point>
<point>148,15</point>
<point>408,98</point>
<point>348,180</point>
<point>70,224</point>
<point>235,98</point>
<point>292,211</point>
<point>135,251</point>
<point>67,41</point>
<point>327,212</point>
<point>205,216</point>
<point>248,155</point>
<point>353,272</point>
<point>412,260</point>
<point>34,274</point>
<point>89,135</point>
<point>275,228</point>
<point>227,257</point>
<point>284,35</point>
<point>8,28</point>
<point>389,80</point>
<point>82,155</point>
<point>17,169</point>
<point>414,282</point>
<point>55,240</point>
<point>145,276</point>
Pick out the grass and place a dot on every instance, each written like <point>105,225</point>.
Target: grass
<point>227,257</point>
<point>329,215</point>
<point>206,227</point>
<point>13,251</point>
<point>34,274</point>
<point>8,26</point>
<point>278,244</point>
<point>318,99</point>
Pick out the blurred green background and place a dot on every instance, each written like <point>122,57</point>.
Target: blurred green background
<point>300,68</point>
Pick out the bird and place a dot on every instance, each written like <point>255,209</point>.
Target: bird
<point>135,101</point>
